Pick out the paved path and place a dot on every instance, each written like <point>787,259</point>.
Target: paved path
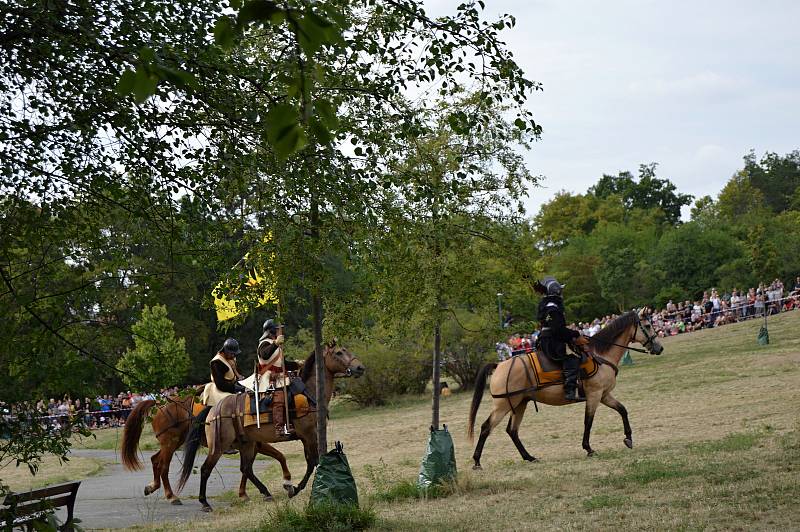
<point>115,498</point>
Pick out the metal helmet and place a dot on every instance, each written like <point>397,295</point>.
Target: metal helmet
<point>231,347</point>
<point>553,287</point>
<point>270,327</point>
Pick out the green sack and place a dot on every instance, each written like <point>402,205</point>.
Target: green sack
<point>333,481</point>
<point>627,359</point>
<point>439,463</point>
<point>763,336</point>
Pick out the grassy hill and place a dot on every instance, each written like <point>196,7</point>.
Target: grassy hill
<point>717,446</point>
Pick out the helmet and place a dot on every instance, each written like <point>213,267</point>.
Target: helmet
<point>270,327</point>
<point>231,347</point>
<point>553,287</point>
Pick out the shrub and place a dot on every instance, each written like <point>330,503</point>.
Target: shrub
<point>390,372</point>
<point>327,517</point>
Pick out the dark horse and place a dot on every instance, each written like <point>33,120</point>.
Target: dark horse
<point>512,389</point>
<point>220,430</point>
<point>171,423</point>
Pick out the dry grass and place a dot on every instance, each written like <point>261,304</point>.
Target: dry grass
<point>50,472</point>
<point>717,446</point>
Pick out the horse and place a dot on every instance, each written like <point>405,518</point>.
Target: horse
<point>221,434</point>
<point>512,387</point>
<point>171,424</point>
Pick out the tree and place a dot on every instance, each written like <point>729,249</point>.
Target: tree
<point>159,360</point>
<point>648,192</point>
<point>776,176</point>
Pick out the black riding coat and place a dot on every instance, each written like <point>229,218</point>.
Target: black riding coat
<point>218,371</point>
<point>555,334</point>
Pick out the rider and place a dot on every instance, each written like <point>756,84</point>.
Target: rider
<point>271,361</point>
<point>225,376</point>
<point>555,334</point>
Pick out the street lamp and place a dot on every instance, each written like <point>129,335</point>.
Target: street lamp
<point>500,307</point>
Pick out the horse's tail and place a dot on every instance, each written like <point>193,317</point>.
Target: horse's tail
<point>132,433</point>
<point>480,385</point>
<point>192,443</point>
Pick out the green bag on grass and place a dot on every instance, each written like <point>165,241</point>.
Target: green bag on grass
<point>333,481</point>
<point>763,336</point>
<point>439,463</point>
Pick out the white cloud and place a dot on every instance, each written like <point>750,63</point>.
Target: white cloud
<point>703,83</point>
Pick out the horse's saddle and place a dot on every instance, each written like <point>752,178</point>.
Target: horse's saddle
<point>548,371</point>
<point>299,407</point>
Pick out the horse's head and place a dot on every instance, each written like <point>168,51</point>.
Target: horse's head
<point>645,334</point>
<point>340,361</point>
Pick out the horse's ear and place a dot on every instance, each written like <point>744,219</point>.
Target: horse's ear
<point>333,342</point>
<point>640,312</point>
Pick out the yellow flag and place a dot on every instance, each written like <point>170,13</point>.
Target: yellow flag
<point>227,307</point>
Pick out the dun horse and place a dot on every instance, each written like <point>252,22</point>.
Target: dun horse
<point>171,424</point>
<point>512,387</point>
<point>221,434</point>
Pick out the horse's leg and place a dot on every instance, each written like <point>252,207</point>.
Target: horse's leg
<point>491,422</point>
<point>268,450</point>
<point>610,402</point>
<point>205,472</point>
<point>247,455</point>
<point>153,486</point>
<point>310,450</point>
<point>513,431</point>
<point>592,400</point>
<point>167,452</point>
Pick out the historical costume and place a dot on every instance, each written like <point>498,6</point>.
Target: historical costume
<point>555,335</point>
<point>224,374</point>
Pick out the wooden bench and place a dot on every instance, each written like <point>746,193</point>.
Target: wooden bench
<point>23,509</point>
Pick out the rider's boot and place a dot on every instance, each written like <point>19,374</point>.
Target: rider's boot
<point>571,368</point>
<point>279,413</point>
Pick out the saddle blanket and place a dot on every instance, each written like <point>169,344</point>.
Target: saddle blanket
<point>299,407</point>
<point>548,372</point>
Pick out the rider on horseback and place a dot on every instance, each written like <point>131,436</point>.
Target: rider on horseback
<point>271,360</point>
<point>555,335</point>
<point>225,375</point>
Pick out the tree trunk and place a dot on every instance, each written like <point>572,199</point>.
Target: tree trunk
<point>319,358</point>
<point>437,365</point>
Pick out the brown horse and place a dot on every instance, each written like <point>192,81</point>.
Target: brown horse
<point>512,389</point>
<point>171,424</point>
<point>221,433</point>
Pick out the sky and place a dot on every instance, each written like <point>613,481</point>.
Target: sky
<point>690,85</point>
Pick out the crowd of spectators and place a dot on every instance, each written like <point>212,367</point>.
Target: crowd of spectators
<point>711,310</point>
<point>102,411</point>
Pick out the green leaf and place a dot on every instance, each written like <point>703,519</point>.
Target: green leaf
<point>144,84</point>
<point>520,123</point>
<point>326,113</point>
<point>126,82</point>
<point>283,131</point>
<point>224,33</point>
<point>257,11</point>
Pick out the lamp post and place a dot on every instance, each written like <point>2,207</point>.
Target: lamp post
<point>500,308</point>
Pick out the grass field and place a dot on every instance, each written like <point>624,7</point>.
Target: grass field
<point>717,446</point>
<point>51,471</point>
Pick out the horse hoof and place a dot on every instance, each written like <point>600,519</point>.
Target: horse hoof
<point>477,467</point>
<point>268,498</point>
<point>628,443</point>
<point>147,491</point>
<point>292,492</point>
<point>207,509</point>
<point>589,454</point>
<point>176,502</point>
<point>244,498</point>
<point>532,459</point>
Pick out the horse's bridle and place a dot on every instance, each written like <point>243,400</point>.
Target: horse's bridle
<point>650,339</point>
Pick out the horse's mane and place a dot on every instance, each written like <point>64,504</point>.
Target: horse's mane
<point>308,367</point>
<point>601,342</point>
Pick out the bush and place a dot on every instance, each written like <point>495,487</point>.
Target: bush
<point>328,517</point>
<point>390,372</point>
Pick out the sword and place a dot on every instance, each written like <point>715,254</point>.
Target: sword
<point>255,388</point>
<point>285,389</point>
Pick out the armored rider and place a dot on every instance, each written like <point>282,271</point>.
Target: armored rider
<point>272,364</point>
<point>555,335</point>
<point>225,375</point>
